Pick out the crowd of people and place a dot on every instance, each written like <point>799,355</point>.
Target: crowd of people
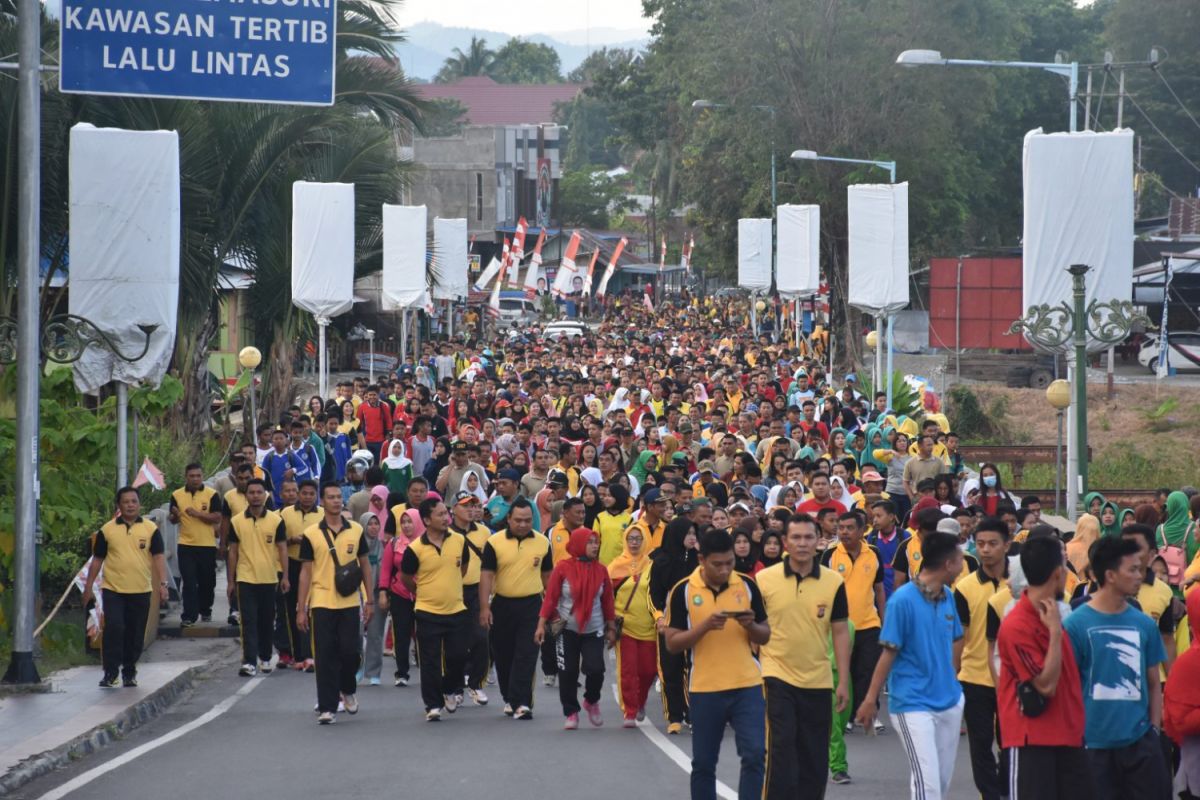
<point>770,548</point>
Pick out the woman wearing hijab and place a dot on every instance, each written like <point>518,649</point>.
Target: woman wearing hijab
<point>440,460</point>
<point>1110,519</point>
<point>745,560</point>
<point>372,664</point>
<point>1176,539</point>
<point>642,467</point>
<point>770,551</point>
<point>612,521</point>
<point>592,506</point>
<point>637,644</point>
<point>471,483</point>
<point>397,468</point>
<point>674,561</point>
<point>579,593</point>
<point>393,595</point>
<point>1181,706</point>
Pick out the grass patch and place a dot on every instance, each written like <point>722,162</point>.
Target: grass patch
<point>59,647</point>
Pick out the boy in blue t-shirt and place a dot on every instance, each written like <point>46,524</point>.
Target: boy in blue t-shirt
<point>1118,650</point>
<point>339,446</point>
<point>922,640</point>
<point>283,464</point>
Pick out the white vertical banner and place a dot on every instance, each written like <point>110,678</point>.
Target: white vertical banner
<point>798,251</point>
<point>1078,210</point>
<point>404,283</point>
<point>754,254</point>
<point>878,246</point>
<point>323,247</point>
<point>449,259</point>
<point>124,248</point>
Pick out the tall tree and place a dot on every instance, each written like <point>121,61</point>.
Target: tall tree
<point>520,61</point>
<point>477,60</point>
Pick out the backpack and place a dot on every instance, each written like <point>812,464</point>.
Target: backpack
<point>1175,555</point>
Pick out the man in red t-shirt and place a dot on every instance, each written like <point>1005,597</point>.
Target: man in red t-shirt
<point>1038,669</point>
<point>820,497</point>
<point>375,422</point>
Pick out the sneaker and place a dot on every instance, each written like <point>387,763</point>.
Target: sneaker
<point>572,722</point>
<point>206,617</point>
<point>341,706</point>
<point>458,699</point>
<point>326,718</point>
<point>373,682</point>
<point>523,712</point>
<point>478,696</point>
<point>550,680</point>
<point>265,667</point>
<point>234,618</point>
<point>186,623</point>
<point>130,682</point>
<point>248,671</point>
<point>451,703</point>
<point>629,722</point>
<point>433,715</point>
<point>401,680</point>
<point>285,659</point>
<point>593,713</point>
<point>108,682</point>
<point>641,715</point>
<point>841,777</point>
<point>350,702</point>
<point>508,710</point>
<point>674,729</point>
<point>879,727</point>
<point>849,727</point>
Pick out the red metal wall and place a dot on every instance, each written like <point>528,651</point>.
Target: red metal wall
<point>990,301</point>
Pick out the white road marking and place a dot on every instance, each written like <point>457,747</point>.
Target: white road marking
<point>96,772</point>
<point>674,752</point>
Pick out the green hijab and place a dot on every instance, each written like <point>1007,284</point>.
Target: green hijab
<point>639,468</point>
<point>1178,519</point>
<point>1087,503</point>
<point>867,457</point>
<point>1115,528</point>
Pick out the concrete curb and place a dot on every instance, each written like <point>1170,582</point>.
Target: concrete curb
<point>102,735</point>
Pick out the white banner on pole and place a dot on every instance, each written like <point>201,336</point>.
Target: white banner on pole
<point>798,251</point>
<point>404,283</point>
<point>1078,210</point>
<point>449,259</point>
<point>124,248</point>
<point>323,247</point>
<point>878,246</point>
<point>754,254</point>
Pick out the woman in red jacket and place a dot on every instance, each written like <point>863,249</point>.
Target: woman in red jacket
<point>579,593</point>
<point>1181,706</point>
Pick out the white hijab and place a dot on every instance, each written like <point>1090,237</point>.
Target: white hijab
<point>478,491</point>
<point>394,461</point>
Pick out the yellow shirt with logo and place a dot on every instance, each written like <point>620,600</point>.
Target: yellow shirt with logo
<point>972,595</point>
<point>519,563</point>
<point>193,531</point>
<point>559,538</point>
<point>476,538</point>
<point>258,540</point>
<point>297,521</point>
<point>861,576</point>
<point>349,543</point>
<point>438,573</point>
<point>801,609</point>
<point>128,551</point>
<point>723,658</point>
<point>651,539</point>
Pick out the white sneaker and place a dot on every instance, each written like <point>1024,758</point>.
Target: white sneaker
<point>326,718</point>
<point>879,727</point>
<point>248,671</point>
<point>523,712</point>
<point>341,706</point>
<point>478,696</point>
<point>508,710</point>
<point>433,715</point>
<point>265,667</point>
<point>451,703</point>
<point>550,680</point>
<point>351,703</point>
<point>401,681</point>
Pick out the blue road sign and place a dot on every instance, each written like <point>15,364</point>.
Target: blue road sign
<point>263,51</point>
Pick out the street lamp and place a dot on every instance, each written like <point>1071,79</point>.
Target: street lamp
<point>890,166</point>
<point>923,58</point>
<point>1058,395</point>
<point>709,104</point>
<point>1068,326</point>
<point>250,358</point>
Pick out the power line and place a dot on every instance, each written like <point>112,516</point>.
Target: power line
<point>1158,130</point>
<point>1163,78</point>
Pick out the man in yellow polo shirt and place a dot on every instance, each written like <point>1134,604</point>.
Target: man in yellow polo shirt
<point>718,615</point>
<point>432,568</point>
<point>516,561</point>
<point>196,509</point>
<point>130,549</point>
<point>295,648</point>
<point>336,638</point>
<point>972,594</point>
<point>651,523</point>
<point>806,604</point>
<point>258,561</point>
<point>463,519</point>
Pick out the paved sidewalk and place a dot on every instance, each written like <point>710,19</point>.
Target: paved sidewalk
<point>41,731</point>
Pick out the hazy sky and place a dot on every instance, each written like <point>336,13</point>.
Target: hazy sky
<point>528,16</point>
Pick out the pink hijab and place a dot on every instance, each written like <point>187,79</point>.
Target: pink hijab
<point>381,513</point>
<point>418,526</point>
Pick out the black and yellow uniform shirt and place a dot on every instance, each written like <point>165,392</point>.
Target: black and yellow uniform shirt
<point>802,609</point>
<point>128,550</point>
<point>1154,596</point>
<point>236,503</point>
<point>908,561</point>
<point>519,563</point>
<point>651,537</point>
<point>477,538</point>
<point>861,576</point>
<point>297,521</point>
<point>438,572</point>
<point>193,531</point>
<point>723,658</point>
<point>349,543</point>
<point>258,541</point>
<point>971,597</point>
<point>559,538</point>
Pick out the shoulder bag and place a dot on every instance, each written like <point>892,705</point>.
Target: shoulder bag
<point>347,578</point>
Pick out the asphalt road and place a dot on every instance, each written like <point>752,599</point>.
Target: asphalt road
<point>261,740</point>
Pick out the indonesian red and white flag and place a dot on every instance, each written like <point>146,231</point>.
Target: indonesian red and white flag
<point>535,266</point>
<point>612,267</point>
<point>484,277</point>
<point>648,303</point>
<point>567,268</point>
<point>587,282</point>
<point>685,258</point>
<point>518,243</point>
<point>493,307</point>
<point>149,474</point>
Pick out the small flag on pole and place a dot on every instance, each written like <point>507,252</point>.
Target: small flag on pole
<point>149,474</point>
<point>567,268</point>
<point>587,282</point>
<point>612,267</point>
<point>535,266</point>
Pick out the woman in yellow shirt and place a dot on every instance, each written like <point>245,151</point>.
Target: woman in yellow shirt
<point>612,521</point>
<point>637,647</point>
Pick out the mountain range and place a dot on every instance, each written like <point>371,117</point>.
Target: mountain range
<point>429,44</point>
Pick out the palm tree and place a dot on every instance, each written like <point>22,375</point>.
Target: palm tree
<point>478,60</point>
